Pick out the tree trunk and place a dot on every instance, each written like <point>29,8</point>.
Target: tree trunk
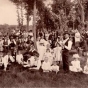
<point>82,12</point>
<point>27,22</point>
<point>21,14</point>
<point>18,15</point>
<point>34,24</point>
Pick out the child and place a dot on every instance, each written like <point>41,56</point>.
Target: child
<point>58,52</point>
<point>19,58</point>
<point>46,65</point>
<point>75,64</point>
<point>7,57</point>
<point>55,67</point>
<point>86,69</point>
<point>47,54</point>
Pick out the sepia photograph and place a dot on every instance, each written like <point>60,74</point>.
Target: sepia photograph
<point>43,43</point>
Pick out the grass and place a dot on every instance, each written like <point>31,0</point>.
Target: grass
<point>16,76</point>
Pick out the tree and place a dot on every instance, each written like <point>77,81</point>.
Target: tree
<point>19,5</point>
<point>32,5</point>
<point>82,11</point>
<point>62,9</point>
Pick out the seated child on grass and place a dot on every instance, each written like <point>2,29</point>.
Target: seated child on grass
<point>19,58</point>
<point>46,66</point>
<point>55,67</point>
<point>85,71</point>
<point>6,60</point>
<point>75,64</point>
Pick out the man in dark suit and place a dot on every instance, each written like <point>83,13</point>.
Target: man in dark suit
<point>67,44</point>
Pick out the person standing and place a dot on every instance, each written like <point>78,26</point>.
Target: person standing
<point>67,44</point>
<point>77,39</point>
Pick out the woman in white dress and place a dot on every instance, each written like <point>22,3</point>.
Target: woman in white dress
<point>58,51</point>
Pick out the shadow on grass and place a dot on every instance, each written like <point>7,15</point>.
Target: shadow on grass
<point>17,76</point>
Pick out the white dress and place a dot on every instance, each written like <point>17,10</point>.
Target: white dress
<point>41,51</point>
<point>77,37</point>
<point>58,55</point>
<point>55,68</point>
<point>75,66</point>
<point>46,66</point>
<point>19,58</point>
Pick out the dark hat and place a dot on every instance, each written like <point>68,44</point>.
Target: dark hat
<point>11,37</point>
<point>66,32</point>
<point>35,53</point>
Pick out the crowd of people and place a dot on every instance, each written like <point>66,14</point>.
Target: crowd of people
<point>52,49</point>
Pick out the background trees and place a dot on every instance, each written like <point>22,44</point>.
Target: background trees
<point>63,14</point>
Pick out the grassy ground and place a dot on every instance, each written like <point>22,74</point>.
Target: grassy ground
<point>16,76</point>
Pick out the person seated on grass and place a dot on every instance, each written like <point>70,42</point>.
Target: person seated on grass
<point>7,59</point>
<point>55,67</point>
<point>36,63</point>
<point>19,57</point>
<point>46,66</point>
<point>26,55</point>
<point>26,60</point>
<point>76,64</point>
<point>85,71</point>
<point>33,62</point>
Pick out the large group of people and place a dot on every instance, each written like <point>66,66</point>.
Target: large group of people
<point>52,49</point>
